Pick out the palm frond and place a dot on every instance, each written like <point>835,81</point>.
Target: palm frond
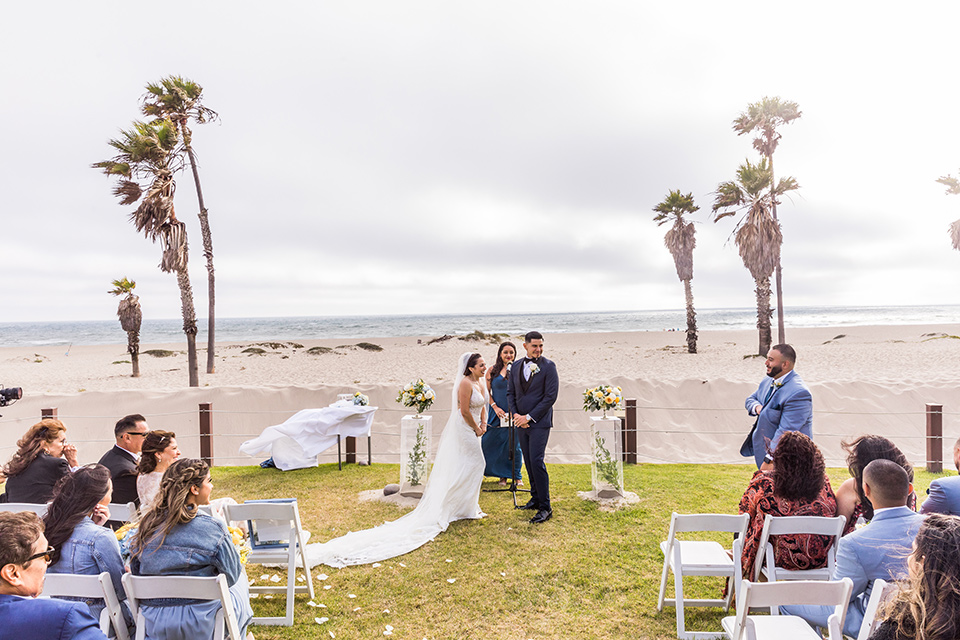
<point>951,183</point>
<point>955,234</point>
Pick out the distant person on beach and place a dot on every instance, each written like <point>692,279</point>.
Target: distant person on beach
<point>532,390</point>
<point>852,503</point>
<point>42,458</point>
<point>782,403</point>
<point>496,441</point>
<point>123,457</point>
<point>944,493</point>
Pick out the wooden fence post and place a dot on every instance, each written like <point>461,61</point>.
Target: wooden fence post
<point>48,413</point>
<point>934,438</point>
<point>351,457</point>
<point>206,432</point>
<point>629,433</point>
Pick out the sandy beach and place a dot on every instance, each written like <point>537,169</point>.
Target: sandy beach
<point>863,379</point>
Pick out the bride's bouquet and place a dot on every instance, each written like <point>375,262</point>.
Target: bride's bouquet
<point>602,398</point>
<point>417,395</point>
<point>360,400</point>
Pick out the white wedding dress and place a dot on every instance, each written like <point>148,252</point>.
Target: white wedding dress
<point>452,493</point>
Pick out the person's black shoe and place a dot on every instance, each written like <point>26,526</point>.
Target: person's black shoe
<point>542,516</point>
<point>530,505</point>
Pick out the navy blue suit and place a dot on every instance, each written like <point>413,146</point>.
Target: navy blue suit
<point>944,497</point>
<point>535,398</point>
<point>790,408</point>
<point>46,618</point>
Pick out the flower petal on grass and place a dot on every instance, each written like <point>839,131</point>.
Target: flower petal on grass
<point>320,620</point>
<point>375,565</point>
<point>301,579</point>
<point>386,610</point>
<point>351,595</point>
<point>503,574</point>
<point>356,609</point>
<point>322,576</point>
<point>451,580</point>
<point>328,587</point>
<point>388,627</point>
<point>264,577</point>
<point>402,565</point>
<point>274,578</point>
<point>311,604</point>
<point>331,635</point>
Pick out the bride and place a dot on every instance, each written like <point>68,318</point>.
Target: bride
<point>452,491</point>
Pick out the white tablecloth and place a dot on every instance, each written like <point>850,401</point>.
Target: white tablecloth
<point>296,443</point>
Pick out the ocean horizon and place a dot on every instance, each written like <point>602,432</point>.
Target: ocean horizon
<point>154,331</point>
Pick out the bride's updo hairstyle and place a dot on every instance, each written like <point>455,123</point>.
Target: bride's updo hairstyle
<point>471,363</point>
<point>170,507</point>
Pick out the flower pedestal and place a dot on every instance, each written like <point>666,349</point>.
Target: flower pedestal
<point>416,435</point>
<point>606,465</point>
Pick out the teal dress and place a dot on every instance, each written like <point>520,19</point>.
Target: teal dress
<point>496,441</point>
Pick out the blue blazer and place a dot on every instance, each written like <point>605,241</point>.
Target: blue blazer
<point>944,497</point>
<point>542,389</point>
<point>46,618</point>
<point>790,408</point>
<point>878,550</point>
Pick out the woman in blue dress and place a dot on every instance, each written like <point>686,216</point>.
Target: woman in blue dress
<point>175,538</point>
<point>496,441</point>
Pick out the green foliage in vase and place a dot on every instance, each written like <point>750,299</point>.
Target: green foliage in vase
<point>417,460</point>
<point>606,465</point>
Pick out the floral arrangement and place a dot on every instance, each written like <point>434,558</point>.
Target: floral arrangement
<point>602,398</point>
<point>126,533</point>
<point>606,465</point>
<point>360,399</point>
<point>417,395</point>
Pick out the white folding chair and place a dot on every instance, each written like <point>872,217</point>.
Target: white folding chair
<point>699,558</point>
<point>881,592</point>
<point>39,509</point>
<point>90,586</point>
<point>795,525</point>
<point>284,518</point>
<point>143,587</point>
<point>123,511</point>
<point>835,593</point>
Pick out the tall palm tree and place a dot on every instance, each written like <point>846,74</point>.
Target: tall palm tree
<point>179,100</point>
<point>130,317</point>
<point>680,240</point>
<point>147,152</point>
<point>953,189</point>
<point>764,117</point>
<point>757,232</point>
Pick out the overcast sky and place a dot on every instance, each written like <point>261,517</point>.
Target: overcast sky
<point>432,157</point>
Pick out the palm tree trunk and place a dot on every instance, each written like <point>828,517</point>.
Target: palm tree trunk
<point>764,313</point>
<point>691,318</point>
<point>781,334</point>
<point>189,324</point>
<point>208,254</point>
<point>133,348</point>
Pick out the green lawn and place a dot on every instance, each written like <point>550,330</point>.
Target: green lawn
<point>583,574</point>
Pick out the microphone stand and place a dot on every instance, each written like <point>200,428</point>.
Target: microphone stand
<point>512,440</point>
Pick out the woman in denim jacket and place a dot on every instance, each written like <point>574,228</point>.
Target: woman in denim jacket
<point>174,539</point>
<point>74,528</point>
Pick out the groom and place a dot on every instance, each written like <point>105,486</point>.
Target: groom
<point>532,388</point>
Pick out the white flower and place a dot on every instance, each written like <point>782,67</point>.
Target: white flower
<point>534,369</point>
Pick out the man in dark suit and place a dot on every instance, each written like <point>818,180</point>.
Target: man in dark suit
<point>944,493</point>
<point>122,459</point>
<point>23,565</point>
<point>782,403</point>
<point>532,388</point>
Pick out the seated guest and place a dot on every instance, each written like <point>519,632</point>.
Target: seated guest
<point>158,453</point>
<point>43,457</point>
<point>23,564</point>
<point>851,502</point>
<point>944,493</point>
<point>928,608</point>
<point>73,526</point>
<point>877,550</point>
<point>122,459</point>
<point>175,538</point>
<point>797,486</point>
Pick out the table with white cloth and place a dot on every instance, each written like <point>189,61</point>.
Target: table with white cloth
<point>296,443</point>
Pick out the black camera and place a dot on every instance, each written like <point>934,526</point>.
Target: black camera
<point>9,396</point>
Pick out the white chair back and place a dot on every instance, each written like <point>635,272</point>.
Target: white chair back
<point>215,588</point>
<point>90,586</point>
<point>796,525</point>
<point>39,509</point>
<point>123,511</point>
<point>882,591</point>
<point>831,593</point>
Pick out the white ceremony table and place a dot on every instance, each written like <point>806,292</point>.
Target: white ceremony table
<point>296,443</point>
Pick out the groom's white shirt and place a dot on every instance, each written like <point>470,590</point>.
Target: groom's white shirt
<point>526,369</point>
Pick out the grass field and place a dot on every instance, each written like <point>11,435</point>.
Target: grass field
<point>583,574</point>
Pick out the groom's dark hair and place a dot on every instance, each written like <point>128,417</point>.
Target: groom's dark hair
<point>532,335</point>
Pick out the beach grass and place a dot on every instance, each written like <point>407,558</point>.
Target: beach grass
<point>585,573</point>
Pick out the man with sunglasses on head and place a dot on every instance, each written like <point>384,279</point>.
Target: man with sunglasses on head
<point>122,459</point>
<point>24,556</point>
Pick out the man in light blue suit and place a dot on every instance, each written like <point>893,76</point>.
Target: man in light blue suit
<point>945,492</point>
<point>878,550</point>
<point>782,403</point>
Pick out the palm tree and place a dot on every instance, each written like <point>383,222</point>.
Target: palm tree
<point>764,117</point>
<point>953,189</point>
<point>147,152</point>
<point>681,241</point>
<point>130,316</point>
<point>179,100</point>
<point>757,233</point>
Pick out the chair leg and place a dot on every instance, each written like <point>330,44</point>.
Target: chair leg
<point>663,582</point>
<point>678,591</point>
<point>730,590</point>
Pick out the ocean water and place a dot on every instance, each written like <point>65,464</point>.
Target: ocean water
<point>15,334</point>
